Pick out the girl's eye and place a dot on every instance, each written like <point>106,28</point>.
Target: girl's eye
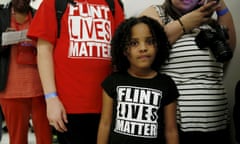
<point>150,41</point>
<point>132,43</point>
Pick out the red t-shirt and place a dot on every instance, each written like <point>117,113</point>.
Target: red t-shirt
<point>82,53</point>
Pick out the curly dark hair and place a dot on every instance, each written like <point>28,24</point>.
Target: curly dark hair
<point>123,35</point>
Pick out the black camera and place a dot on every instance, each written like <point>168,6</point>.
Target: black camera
<point>216,39</point>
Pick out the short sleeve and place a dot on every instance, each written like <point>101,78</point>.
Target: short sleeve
<point>44,23</point>
<point>109,85</point>
<point>172,93</point>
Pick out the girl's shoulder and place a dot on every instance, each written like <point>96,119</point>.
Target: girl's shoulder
<point>163,75</point>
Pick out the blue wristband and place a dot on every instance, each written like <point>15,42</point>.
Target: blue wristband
<point>50,95</point>
<point>222,12</point>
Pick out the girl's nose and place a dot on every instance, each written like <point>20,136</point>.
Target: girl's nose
<point>143,47</point>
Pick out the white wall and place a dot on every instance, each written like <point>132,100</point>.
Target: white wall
<point>34,3</point>
<point>133,7</point>
<point>4,1</point>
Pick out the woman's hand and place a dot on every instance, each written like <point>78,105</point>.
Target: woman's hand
<point>201,2</point>
<point>199,16</point>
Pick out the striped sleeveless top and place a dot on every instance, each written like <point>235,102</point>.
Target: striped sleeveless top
<point>202,105</point>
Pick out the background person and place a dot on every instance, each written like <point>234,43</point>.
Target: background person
<point>202,110</point>
<point>22,97</point>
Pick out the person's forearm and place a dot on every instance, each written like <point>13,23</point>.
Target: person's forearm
<point>103,134</point>
<point>172,137</point>
<point>226,20</point>
<point>45,66</point>
<point>174,30</point>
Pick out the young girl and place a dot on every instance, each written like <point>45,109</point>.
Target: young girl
<point>139,103</point>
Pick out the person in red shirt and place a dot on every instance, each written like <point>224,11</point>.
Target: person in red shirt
<point>73,66</point>
<point>22,97</point>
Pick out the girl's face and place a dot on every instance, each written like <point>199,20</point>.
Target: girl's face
<point>185,6</point>
<point>141,49</point>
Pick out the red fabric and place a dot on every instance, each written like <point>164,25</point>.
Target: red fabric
<point>82,53</point>
<point>23,79</point>
<point>17,113</point>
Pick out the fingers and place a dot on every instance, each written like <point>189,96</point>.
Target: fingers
<point>65,117</point>
<point>201,2</point>
<point>209,7</point>
<point>56,114</point>
<point>59,126</point>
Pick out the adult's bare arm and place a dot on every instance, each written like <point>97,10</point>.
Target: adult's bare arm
<point>55,110</point>
<point>227,20</point>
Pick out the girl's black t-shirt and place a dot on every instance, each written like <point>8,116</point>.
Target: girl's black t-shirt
<point>138,107</point>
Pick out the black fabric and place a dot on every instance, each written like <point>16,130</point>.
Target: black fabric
<point>4,51</point>
<point>61,6</point>
<point>236,112</point>
<point>138,107</point>
<point>217,137</point>
<point>82,129</point>
<point>4,64</point>
<point>121,4</point>
<point>111,6</point>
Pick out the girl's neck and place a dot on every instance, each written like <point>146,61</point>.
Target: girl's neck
<point>145,74</point>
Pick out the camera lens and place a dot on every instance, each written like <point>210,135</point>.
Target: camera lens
<point>215,39</point>
<point>221,51</point>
